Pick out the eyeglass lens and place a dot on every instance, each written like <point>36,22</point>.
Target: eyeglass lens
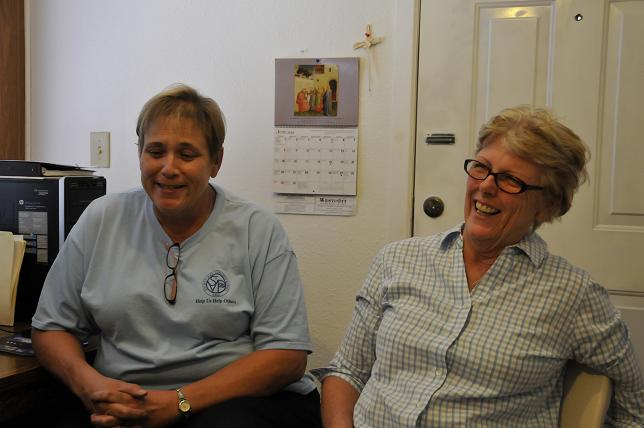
<point>170,287</point>
<point>505,182</point>
<point>170,282</point>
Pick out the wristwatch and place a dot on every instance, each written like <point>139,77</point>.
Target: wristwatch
<point>184,404</point>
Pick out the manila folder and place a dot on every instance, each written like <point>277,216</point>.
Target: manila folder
<point>12,251</point>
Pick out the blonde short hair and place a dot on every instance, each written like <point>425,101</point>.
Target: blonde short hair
<point>536,135</point>
<point>182,101</point>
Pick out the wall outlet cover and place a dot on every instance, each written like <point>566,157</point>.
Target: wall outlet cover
<point>99,149</point>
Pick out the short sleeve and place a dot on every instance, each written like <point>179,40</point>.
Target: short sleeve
<point>60,306</point>
<point>279,320</point>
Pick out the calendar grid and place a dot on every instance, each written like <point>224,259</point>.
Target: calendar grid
<point>315,160</point>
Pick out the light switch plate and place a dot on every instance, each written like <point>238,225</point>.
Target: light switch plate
<point>99,143</point>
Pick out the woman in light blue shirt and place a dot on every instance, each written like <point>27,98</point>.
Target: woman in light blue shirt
<point>194,293</point>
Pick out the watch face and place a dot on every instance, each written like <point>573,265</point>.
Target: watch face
<point>184,406</point>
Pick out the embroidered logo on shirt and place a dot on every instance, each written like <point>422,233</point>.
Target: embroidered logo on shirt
<point>216,284</point>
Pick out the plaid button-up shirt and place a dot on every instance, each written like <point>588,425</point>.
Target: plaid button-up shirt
<point>425,352</point>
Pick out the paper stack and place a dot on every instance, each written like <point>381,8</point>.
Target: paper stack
<point>12,250</point>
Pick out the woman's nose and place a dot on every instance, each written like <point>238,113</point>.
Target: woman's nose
<point>488,185</point>
<point>169,167</point>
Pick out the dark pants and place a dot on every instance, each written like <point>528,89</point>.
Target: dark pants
<point>282,410</point>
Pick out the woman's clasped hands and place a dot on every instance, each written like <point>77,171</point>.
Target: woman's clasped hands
<point>116,403</point>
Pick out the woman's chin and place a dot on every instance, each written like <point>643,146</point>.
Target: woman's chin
<point>167,208</point>
<point>477,229</point>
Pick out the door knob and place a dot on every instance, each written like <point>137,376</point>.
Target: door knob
<point>433,206</point>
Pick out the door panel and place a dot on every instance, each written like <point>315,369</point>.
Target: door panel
<point>512,58</point>
<point>621,156</point>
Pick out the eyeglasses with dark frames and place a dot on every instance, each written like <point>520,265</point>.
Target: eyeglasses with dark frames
<point>504,181</point>
<point>172,258</point>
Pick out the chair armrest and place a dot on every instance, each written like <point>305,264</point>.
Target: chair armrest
<point>586,397</point>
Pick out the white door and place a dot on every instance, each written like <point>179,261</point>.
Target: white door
<point>582,58</point>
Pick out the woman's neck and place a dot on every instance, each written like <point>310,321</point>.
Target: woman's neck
<point>477,262</point>
<point>180,228</point>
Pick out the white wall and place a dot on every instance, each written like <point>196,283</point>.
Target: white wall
<point>94,63</point>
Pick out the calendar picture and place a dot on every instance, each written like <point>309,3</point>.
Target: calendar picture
<point>316,90</point>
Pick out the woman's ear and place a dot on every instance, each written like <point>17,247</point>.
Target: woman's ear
<point>216,163</point>
<point>549,211</point>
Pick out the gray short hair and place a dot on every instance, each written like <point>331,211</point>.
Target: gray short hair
<point>182,101</point>
<point>536,135</point>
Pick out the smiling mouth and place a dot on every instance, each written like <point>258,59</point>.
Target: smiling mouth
<point>485,209</point>
<point>170,186</point>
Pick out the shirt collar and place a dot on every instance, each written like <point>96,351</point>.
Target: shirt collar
<point>452,235</point>
<point>531,245</point>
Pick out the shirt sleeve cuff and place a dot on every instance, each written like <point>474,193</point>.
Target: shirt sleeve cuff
<point>321,373</point>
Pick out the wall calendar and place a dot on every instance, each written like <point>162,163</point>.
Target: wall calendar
<point>316,135</point>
